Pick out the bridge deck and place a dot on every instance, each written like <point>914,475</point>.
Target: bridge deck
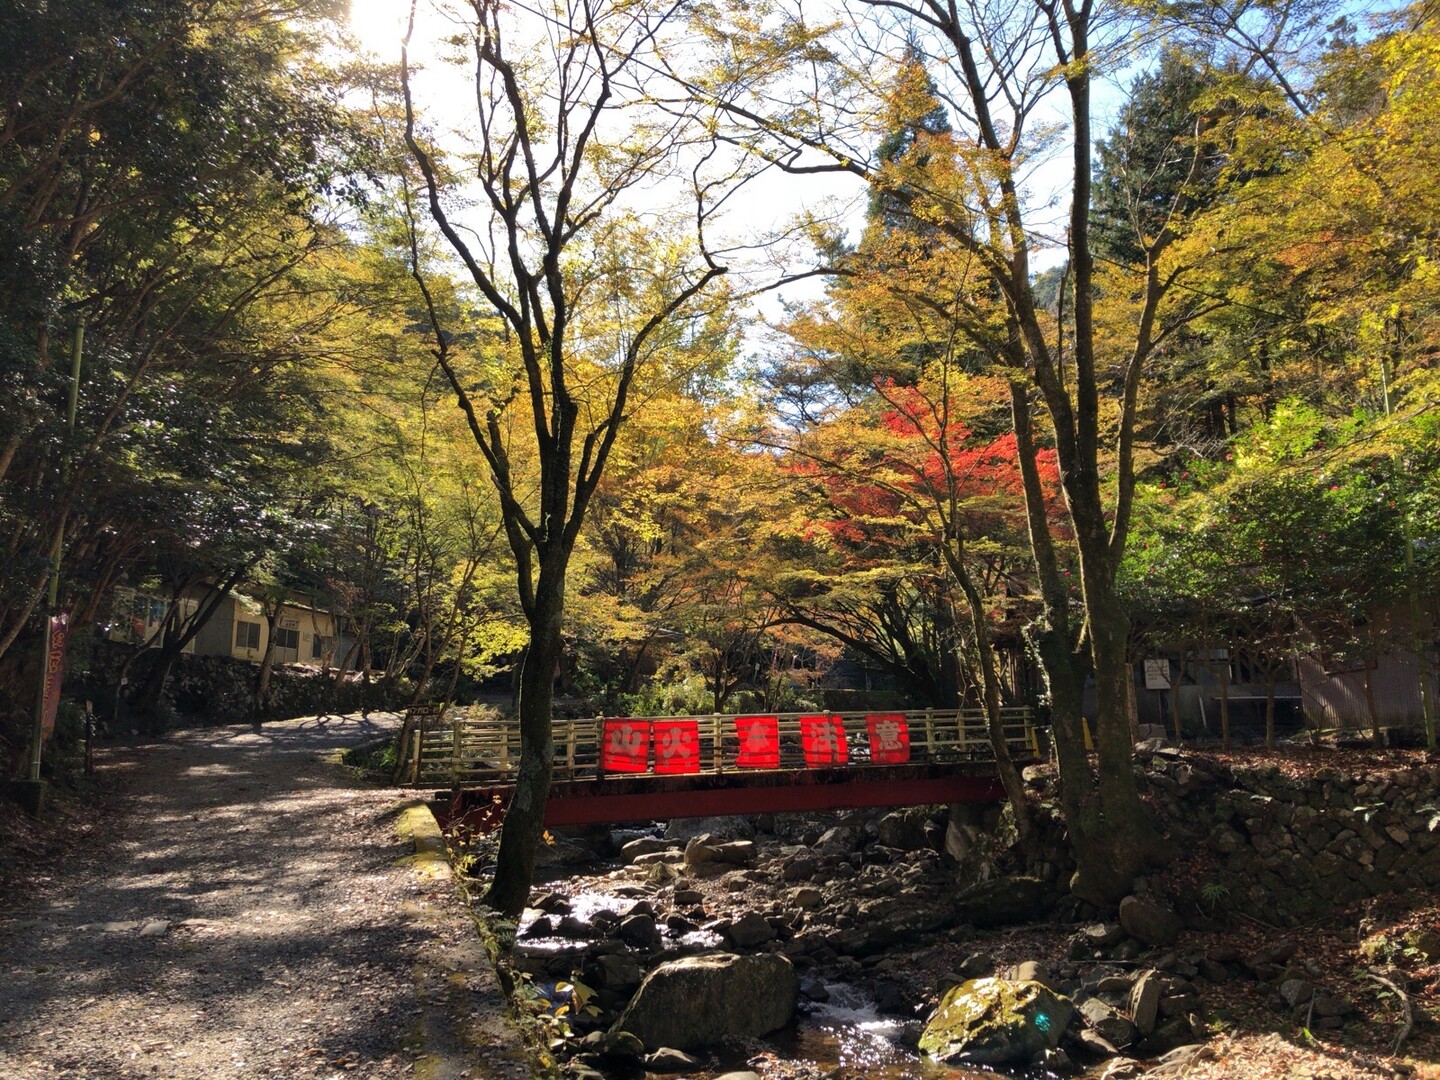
<point>628,769</point>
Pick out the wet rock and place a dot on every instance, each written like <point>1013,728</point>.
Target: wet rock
<point>697,1001</point>
<point>1004,902</point>
<point>623,1046</point>
<point>640,931</point>
<point>746,932</point>
<point>572,926</point>
<point>812,989</point>
<point>889,997</point>
<point>1148,921</point>
<point>995,1022</point>
<point>645,845</point>
<point>679,924</point>
<point>1107,1022</point>
<point>618,972</point>
<point>554,903</point>
<point>669,1060</point>
<point>540,925</point>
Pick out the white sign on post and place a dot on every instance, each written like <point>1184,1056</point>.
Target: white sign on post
<point>1157,674</point>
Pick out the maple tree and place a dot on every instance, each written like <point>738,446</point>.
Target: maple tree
<point>587,293</point>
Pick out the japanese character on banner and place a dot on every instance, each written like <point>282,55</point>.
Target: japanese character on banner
<point>625,746</point>
<point>823,740</point>
<point>889,738</point>
<point>759,742</point>
<point>677,745</point>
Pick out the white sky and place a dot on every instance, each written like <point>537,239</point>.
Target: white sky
<point>445,100</point>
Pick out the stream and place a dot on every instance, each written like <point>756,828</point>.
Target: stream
<point>845,1037</point>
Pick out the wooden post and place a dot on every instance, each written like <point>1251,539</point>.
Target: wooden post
<point>930,734</point>
<point>456,745</point>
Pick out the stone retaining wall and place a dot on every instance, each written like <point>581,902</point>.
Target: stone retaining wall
<point>1294,849</point>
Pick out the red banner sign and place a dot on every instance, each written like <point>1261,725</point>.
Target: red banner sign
<point>823,740</point>
<point>677,745</point>
<point>759,742</point>
<point>57,634</point>
<point>889,738</point>
<point>625,746</point>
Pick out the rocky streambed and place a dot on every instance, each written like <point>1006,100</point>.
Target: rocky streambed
<point>837,939</point>
<point>841,946</point>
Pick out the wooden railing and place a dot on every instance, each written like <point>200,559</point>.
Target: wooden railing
<point>474,747</point>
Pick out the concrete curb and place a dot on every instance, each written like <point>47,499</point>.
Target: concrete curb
<point>465,1029</point>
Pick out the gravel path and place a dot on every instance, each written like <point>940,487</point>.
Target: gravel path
<point>252,914</point>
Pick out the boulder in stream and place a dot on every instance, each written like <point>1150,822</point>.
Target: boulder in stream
<point>699,1000</point>
<point>996,1022</point>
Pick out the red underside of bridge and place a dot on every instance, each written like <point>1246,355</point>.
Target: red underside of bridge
<point>618,799</point>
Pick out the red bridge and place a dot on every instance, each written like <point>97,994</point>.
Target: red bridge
<point>657,768</point>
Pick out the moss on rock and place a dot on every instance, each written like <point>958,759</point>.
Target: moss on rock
<point>996,1022</point>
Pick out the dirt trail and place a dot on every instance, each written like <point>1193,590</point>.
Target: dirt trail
<point>251,915</point>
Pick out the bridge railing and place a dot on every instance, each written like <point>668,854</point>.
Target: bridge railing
<point>480,748</point>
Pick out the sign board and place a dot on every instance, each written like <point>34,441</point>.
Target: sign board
<point>57,633</point>
<point>1157,674</point>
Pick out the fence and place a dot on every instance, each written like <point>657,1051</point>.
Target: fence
<point>466,746</point>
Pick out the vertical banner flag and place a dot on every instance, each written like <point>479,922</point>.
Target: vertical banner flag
<point>677,745</point>
<point>823,740</point>
<point>57,633</point>
<point>625,746</point>
<point>889,738</point>
<point>759,742</point>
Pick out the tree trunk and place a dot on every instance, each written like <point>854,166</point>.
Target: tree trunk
<point>267,662</point>
<point>990,680</point>
<point>1126,833</point>
<point>525,819</point>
